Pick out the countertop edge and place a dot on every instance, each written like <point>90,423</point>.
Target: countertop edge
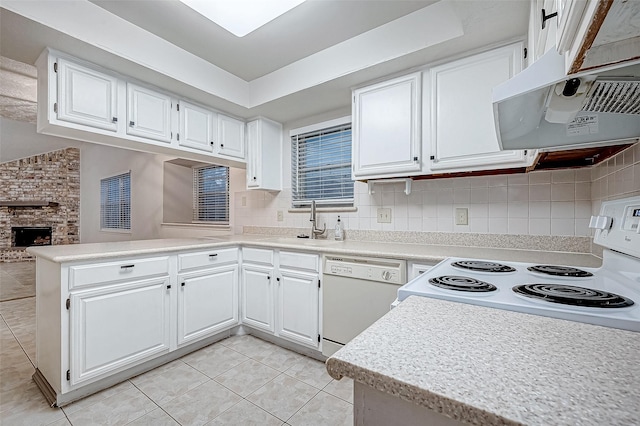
<point>381,249</point>
<point>449,407</point>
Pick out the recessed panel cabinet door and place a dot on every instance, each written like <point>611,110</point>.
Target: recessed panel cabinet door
<point>386,128</point>
<point>230,136</point>
<point>148,113</point>
<point>117,326</point>
<point>460,122</point>
<point>257,298</point>
<point>197,127</point>
<point>207,303</point>
<point>86,96</point>
<point>298,307</point>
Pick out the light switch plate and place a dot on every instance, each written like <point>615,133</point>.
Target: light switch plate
<point>462,216</point>
<point>280,216</point>
<point>384,215</point>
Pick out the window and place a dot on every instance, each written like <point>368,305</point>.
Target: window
<point>321,167</point>
<point>211,194</point>
<point>115,202</point>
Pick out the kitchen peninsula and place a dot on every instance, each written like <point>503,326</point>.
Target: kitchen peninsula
<point>453,363</point>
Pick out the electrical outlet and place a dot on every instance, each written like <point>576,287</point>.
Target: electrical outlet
<point>280,216</point>
<point>462,216</point>
<point>384,215</point>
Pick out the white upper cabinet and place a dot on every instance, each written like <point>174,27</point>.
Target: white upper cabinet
<point>230,136</point>
<point>148,113</point>
<point>386,128</point>
<point>542,33</point>
<point>458,113</point>
<point>198,127</point>
<point>86,96</point>
<point>264,155</point>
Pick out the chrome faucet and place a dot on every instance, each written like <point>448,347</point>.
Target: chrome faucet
<point>314,230</point>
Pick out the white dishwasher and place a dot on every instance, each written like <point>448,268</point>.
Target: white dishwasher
<point>356,292</point>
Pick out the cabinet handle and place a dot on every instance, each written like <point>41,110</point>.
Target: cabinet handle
<point>169,286</point>
<point>127,266</point>
<point>211,143</point>
<point>278,279</point>
<point>254,178</point>
<point>213,255</point>
<point>268,277</point>
<point>132,123</point>
<point>546,17</point>
<point>182,284</point>
<point>221,145</point>
<point>114,119</point>
<point>415,159</point>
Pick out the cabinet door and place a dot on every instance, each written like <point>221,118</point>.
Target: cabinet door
<point>117,326</point>
<point>148,113</point>
<point>386,128</point>
<point>230,136</point>
<point>197,127</point>
<point>264,155</point>
<point>257,297</point>
<point>207,303</point>
<point>86,96</point>
<point>298,298</point>
<point>462,129</point>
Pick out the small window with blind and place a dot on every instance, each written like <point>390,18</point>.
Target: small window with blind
<point>321,166</point>
<point>115,203</point>
<point>211,194</point>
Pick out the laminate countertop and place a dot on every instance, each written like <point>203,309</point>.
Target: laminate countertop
<point>487,366</point>
<point>414,252</point>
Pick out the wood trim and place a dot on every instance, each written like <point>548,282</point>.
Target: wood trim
<point>590,36</point>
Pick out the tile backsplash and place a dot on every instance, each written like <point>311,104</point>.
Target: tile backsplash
<point>555,203</point>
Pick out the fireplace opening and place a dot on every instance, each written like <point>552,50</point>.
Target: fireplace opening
<point>27,236</point>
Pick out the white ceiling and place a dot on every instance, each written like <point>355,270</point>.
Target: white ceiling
<point>265,72</point>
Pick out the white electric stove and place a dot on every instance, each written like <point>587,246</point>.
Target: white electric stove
<point>607,296</point>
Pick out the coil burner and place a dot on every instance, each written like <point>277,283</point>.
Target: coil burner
<point>453,282</point>
<point>573,295</point>
<point>560,271</point>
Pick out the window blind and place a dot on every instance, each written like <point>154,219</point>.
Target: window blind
<point>321,167</point>
<point>211,194</point>
<point>115,202</point>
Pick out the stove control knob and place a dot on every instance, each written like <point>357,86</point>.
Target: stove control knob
<point>601,222</point>
<point>386,275</point>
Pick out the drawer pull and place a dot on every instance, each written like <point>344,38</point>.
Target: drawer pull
<point>213,255</point>
<point>169,287</point>
<point>127,266</point>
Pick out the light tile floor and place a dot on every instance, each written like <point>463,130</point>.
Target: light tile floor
<point>241,380</point>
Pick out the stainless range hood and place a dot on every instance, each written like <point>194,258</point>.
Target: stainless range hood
<point>543,108</point>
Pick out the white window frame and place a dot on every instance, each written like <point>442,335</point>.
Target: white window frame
<point>197,193</point>
<point>120,222</point>
<point>294,133</point>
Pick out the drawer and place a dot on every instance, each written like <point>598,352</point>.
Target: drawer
<point>125,269</point>
<point>256,255</point>
<point>208,258</point>
<point>290,260</point>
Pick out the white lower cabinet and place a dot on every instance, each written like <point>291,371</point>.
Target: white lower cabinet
<point>283,299</point>
<point>298,307</point>
<point>117,326</point>
<point>257,297</point>
<point>207,303</point>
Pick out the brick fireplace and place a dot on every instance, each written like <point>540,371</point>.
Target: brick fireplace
<point>39,202</point>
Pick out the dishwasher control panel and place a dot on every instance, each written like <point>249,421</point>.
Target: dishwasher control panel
<point>372,269</point>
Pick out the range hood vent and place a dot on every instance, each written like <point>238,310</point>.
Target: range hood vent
<point>614,96</point>
<point>543,108</point>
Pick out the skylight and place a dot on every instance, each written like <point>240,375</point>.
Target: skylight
<point>241,17</point>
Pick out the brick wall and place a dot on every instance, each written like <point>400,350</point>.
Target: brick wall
<point>54,176</point>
